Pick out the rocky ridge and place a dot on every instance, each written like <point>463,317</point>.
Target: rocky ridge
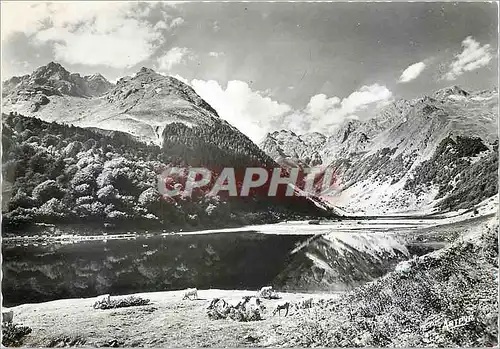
<point>379,161</point>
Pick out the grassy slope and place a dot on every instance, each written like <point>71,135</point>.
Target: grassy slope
<point>409,307</point>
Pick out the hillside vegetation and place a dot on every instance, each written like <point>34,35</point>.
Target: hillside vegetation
<point>55,173</point>
<point>446,298</point>
<point>462,179</point>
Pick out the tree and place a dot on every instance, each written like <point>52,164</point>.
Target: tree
<point>46,191</point>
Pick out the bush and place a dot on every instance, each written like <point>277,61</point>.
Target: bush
<point>13,334</point>
<point>131,301</point>
<point>21,199</point>
<point>244,312</point>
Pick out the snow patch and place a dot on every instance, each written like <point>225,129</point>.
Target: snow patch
<point>479,98</point>
<point>457,97</point>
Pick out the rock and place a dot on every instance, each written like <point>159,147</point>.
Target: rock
<point>8,316</point>
<point>38,100</point>
<point>252,339</point>
<point>42,99</point>
<point>34,107</point>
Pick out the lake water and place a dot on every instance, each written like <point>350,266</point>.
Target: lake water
<point>37,268</point>
<point>238,260</point>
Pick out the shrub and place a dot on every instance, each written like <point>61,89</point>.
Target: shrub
<point>21,199</point>
<point>149,197</point>
<point>13,334</point>
<point>131,301</point>
<point>107,194</point>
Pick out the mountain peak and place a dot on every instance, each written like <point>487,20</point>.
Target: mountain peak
<point>95,76</point>
<point>449,91</point>
<point>53,79</point>
<point>54,66</point>
<point>283,132</point>
<point>146,70</point>
<point>52,70</point>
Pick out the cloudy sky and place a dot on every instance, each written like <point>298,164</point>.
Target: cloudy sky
<point>266,66</point>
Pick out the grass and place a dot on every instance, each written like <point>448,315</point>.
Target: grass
<point>413,307</point>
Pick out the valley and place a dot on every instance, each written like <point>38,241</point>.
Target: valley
<point>415,191</point>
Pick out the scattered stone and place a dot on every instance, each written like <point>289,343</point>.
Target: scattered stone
<point>113,343</point>
<point>251,339</point>
<point>267,292</point>
<point>66,341</point>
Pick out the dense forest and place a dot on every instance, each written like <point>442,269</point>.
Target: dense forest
<point>56,173</point>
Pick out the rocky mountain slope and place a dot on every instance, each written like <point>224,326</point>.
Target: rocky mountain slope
<point>77,147</point>
<point>290,149</point>
<point>438,152</point>
<point>141,105</point>
<point>52,80</point>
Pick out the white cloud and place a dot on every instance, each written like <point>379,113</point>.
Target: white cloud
<point>412,72</point>
<point>113,50</point>
<point>323,113</point>
<point>473,56</point>
<point>180,78</point>
<point>255,114</point>
<point>174,56</point>
<point>364,97</point>
<point>176,22</point>
<point>248,110</point>
<point>216,54</point>
<point>22,17</point>
<point>321,104</point>
<point>93,33</point>
<point>161,25</point>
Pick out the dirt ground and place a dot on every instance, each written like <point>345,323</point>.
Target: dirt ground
<point>168,321</point>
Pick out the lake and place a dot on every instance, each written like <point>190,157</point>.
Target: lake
<point>41,268</point>
<point>238,260</point>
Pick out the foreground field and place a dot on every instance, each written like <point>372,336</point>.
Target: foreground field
<point>167,322</point>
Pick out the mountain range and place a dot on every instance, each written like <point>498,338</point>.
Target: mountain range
<point>429,154</point>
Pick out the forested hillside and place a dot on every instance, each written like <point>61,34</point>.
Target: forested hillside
<point>55,173</point>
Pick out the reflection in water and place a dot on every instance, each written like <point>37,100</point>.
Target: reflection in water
<point>224,260</point>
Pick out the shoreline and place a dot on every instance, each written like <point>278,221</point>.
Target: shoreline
<point>292,228</point>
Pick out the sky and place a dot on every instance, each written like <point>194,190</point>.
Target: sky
<point>266,66</point>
